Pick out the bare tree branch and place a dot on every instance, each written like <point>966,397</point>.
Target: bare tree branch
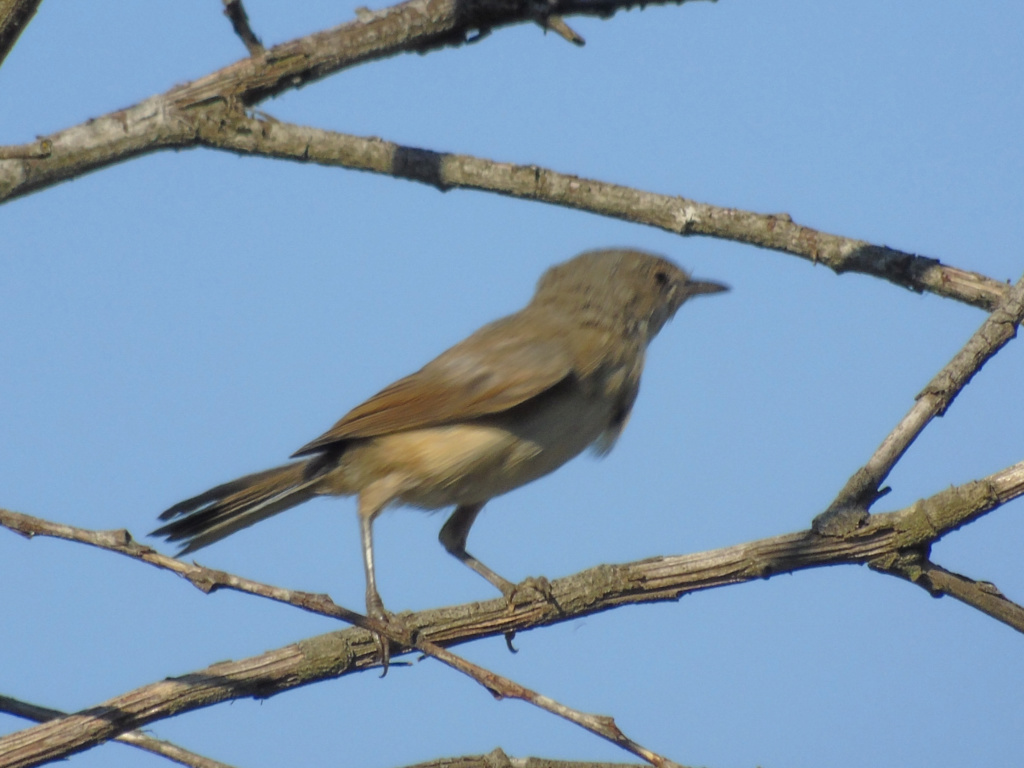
<point>890,542</point>
<point>163,121</point>
<point>204,579</point>
<point>502,687</point>
<point>239,19</point>
<point>208,112</point>
<point>945,512</point>
<point>134,738</point>
<point>850,507</point>
<point>154,125</point>
<point>494,759</point>
<point>397,632</point>
<point>982,595</point>
<point>14,17</point>
<point>272,138</point>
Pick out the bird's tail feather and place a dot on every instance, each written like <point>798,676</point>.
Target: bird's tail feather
<point>221,511</point>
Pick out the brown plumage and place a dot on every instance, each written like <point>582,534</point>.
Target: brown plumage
<point>512,402</point>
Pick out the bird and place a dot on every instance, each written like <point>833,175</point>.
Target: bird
<point>511,403</point>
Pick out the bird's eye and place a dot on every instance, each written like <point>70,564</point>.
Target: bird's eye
<point>661,278</point>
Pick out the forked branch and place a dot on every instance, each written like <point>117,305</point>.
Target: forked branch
<point>895,542</point>
<point>851,506</point>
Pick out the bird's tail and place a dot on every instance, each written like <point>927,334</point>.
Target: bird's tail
<point>230,507</point>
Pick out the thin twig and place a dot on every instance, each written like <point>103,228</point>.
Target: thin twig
<point>851,506</point>
<point>172,120</point>
<point>397,632</point>
<point>887,538</point>
<point>205,579</point>
<point>558,25</point>
<point>134,738</point>
<point>208,113</point>
<point>502,687</point>
<point>235,12</point>
<point>415,26</point>
<point>982,595</point>
<point>672,213</point>
<point>945,512</point>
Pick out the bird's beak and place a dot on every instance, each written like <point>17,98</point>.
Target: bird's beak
<point>696,287</point>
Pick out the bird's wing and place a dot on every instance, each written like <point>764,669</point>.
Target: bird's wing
<point>500,366</point>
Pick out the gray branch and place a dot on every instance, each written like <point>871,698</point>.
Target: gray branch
<point>850,507</point>
<point>135,738</point>
<point>895,542</point>
<point>162,123</point>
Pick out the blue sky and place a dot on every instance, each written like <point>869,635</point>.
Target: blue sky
<point>184,318</point>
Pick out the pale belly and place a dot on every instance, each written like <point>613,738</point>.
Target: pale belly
<point>472,462</point>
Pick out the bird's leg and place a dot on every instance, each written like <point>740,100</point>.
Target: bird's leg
<point>374,605</point>
<point>368,511</point>
<point>453,538</point>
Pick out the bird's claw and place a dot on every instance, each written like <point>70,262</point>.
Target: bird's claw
<point>528,590</point>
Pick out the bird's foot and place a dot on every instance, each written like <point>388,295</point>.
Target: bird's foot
<point>529,589</point>
<point>397,628</point>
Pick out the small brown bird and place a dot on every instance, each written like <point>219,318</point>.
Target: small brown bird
<point>511,403</point>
